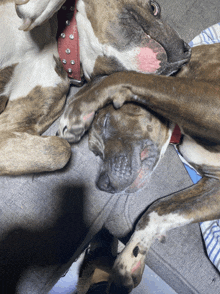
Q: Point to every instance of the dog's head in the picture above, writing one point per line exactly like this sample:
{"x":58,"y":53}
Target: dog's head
{"x":130,"y":142}
{"x":127,"y":35}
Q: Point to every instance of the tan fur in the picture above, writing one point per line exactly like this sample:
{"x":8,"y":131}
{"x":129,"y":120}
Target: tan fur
{"x":22,"y":150}
{"x":26,"y":153}
{"x":24,"y":118}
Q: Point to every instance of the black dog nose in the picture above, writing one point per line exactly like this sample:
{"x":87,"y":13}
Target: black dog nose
{"x":104,"y":183}
{"x":186,"y":48}
{"x":178,"y":51}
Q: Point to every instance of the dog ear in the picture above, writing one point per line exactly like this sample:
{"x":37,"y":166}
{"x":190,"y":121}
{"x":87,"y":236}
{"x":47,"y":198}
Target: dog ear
{"x":96,"y":144}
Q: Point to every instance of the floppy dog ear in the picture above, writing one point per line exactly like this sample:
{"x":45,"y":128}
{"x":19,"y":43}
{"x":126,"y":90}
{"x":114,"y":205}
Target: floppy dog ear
{"x":96,"y":144}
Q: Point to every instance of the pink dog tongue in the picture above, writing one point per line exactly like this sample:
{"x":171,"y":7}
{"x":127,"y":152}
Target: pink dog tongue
{"x":150,"y":56}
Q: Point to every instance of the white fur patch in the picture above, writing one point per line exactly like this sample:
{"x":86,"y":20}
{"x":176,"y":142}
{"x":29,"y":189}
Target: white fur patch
{"x":91,"y":48}
{"x":157,"y":227}
{"x":195,"y":153}
{"x":164,"y":148}
{"x":35,"y":63}
{"x":34,"y":70}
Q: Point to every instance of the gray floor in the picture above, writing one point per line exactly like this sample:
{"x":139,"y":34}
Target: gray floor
{"x":151,"y":283}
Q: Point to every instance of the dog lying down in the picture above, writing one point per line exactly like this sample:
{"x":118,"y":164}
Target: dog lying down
{"x":33,"y":86}
{"x":190,"y":99}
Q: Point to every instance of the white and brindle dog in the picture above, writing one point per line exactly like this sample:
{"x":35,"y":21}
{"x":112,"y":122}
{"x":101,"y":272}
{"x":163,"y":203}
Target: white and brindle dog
{"x":33,"y":84}
{"x":33,"y":88}
{"x":192,"y":100}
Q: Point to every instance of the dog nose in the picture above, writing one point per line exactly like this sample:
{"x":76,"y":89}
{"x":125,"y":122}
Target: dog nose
{"x":178,"y":51}
{"x":186,"y":49}
{"x":104,"y":183}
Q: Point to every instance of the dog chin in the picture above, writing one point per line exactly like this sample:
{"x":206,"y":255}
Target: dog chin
{"x":168,"y":69}
{"x":141,"y":180}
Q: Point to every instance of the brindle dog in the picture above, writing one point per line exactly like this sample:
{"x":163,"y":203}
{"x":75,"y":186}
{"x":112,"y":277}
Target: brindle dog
{"x":190,"y":99}
{"x":33,"y":84}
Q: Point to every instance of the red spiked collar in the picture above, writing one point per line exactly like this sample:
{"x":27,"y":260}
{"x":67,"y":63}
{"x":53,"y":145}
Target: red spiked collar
{"x":68,"y":42}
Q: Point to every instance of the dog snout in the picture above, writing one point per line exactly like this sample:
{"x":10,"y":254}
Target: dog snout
{"x":186,"y":50}
{"x":182,"y":51}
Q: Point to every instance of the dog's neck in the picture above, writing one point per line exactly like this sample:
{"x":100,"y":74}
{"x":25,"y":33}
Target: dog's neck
{"x":68,"y":42}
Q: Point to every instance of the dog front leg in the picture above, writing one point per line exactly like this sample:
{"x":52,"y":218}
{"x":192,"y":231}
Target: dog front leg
{"x":193,"y":104}
{"x":22,"y":150}
{"x":24,"y":153}
{"x":195,"y":204}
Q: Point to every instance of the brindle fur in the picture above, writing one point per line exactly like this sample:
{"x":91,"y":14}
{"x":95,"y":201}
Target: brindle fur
{"x":24,"y":118}
{"x":190,"y":99}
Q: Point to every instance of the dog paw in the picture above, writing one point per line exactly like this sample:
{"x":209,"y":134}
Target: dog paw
{"x":36,"y":12}
{"x":127,"y":270}
{"x":81,"y":109}
{"x":74,"y":123}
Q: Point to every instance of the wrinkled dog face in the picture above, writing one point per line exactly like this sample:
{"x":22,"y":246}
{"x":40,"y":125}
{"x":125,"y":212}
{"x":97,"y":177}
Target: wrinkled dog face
{"x":127,"y":35}
{"x":130,"y":142}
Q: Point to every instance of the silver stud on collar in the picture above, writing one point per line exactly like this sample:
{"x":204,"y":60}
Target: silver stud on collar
{"x":64,"y":61}
{"x":63,"y":35}
{"x":67,"y":22}
{"x":69,"y":70}
{"x":67,"y":51}
{"x":72,"y":62}
{"x":71,"y":8}
{"x":71,"y":37}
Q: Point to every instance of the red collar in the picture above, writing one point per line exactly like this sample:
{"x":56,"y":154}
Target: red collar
{"x":68,"y":41}
{"x":176,"y":135}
